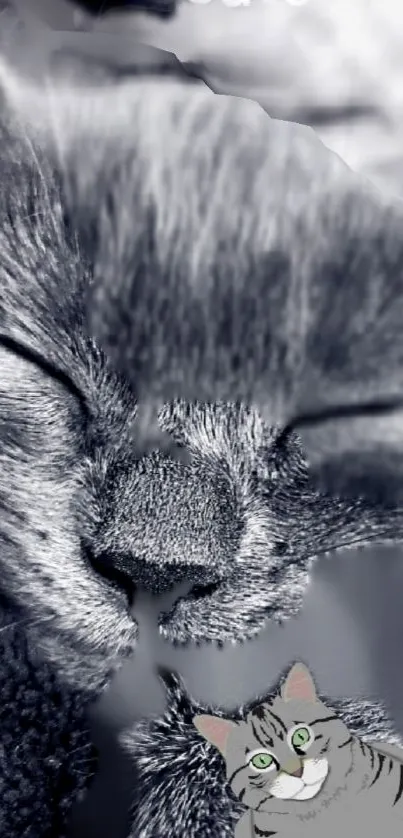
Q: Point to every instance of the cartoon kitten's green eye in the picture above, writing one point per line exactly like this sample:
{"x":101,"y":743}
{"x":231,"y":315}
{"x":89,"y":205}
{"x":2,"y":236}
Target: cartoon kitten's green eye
{"x":301,"y":737}
{"x":261,"y":761}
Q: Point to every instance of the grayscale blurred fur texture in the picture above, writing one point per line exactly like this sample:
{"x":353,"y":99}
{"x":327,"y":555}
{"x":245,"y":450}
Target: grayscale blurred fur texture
{"x":160,"y":242}
{"x":47,"y":756}
{"x":164,"y":246}
{"x":182,"y":788}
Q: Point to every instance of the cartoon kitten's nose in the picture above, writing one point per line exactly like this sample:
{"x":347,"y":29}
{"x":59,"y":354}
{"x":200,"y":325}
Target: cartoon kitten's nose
{"x":295,"y":770}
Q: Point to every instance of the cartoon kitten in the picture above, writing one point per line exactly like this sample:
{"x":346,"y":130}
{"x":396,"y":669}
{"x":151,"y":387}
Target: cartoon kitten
{"x":300,"y":771}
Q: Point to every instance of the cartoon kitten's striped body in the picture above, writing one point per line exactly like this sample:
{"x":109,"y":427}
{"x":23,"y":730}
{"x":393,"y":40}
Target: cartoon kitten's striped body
{"x":296,"y":767}
{"x":371,"y":798}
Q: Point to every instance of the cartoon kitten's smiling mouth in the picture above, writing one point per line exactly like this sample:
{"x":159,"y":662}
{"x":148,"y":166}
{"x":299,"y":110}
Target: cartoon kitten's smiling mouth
{"x":308,"y":791}
{"x":288,"y":787}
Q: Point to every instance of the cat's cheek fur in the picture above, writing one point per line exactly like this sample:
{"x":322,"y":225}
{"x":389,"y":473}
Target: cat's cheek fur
{"x":315,"y":771}
{"x":286,"y":787}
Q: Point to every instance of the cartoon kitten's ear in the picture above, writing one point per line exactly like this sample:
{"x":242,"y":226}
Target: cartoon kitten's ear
{"x":299,"y":685}
{"x":215,"y":730}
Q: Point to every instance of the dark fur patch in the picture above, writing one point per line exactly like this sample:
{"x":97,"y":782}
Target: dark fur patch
{"x":47,"y":759}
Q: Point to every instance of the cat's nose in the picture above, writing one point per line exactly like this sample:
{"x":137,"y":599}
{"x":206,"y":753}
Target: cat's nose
{"x":295,"y":769}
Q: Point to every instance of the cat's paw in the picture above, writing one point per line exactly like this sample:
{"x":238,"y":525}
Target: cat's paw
{"x":236,"y":609}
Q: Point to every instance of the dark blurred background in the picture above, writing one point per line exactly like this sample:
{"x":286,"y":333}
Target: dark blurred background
{"x":337,"y":66}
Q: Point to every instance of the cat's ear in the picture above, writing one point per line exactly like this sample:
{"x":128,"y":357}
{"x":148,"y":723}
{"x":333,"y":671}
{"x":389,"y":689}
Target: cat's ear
{"x":299,"y":685}
{"x":215,"y":730}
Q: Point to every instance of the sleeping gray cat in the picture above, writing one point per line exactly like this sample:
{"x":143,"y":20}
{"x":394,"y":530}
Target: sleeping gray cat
{"x":155,"y":245}
{"x":294,"y":763}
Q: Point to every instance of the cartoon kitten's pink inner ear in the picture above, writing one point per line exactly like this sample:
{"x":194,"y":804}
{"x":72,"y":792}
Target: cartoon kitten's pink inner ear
{"x":299,"y":685}
{"x":215,"y":730}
